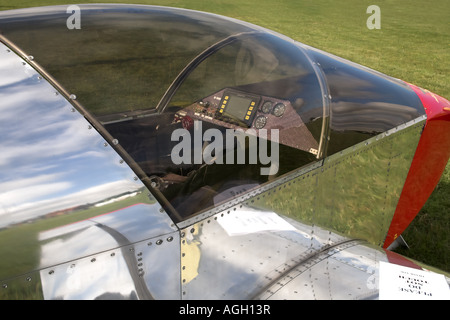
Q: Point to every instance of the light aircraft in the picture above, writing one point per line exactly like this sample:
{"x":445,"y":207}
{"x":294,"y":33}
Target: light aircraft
{"x":161,"y":153}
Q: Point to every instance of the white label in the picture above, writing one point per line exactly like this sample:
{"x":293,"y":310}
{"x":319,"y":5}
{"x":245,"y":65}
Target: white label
{"x":249,"y":221}
{"x":402,"y":283}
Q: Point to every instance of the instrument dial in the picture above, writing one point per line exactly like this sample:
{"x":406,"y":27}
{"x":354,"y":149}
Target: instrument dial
{"x":260,"y":122}
{"x":266,"y":107}
{"x":278,"y":110}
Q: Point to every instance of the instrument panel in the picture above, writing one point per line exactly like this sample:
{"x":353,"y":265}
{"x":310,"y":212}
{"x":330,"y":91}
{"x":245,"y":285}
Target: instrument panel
{"x":235,"y":109}
{"x":232,"y":108}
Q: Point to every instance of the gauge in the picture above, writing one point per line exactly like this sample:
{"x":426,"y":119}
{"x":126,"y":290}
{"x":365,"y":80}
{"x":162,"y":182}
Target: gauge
{"x":266,"y":107}
{"x":260,"y":122}
{"x":278,"y":110}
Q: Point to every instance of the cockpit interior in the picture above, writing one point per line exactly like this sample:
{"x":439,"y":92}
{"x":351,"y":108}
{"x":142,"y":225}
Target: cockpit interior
{"x":245,"y":87}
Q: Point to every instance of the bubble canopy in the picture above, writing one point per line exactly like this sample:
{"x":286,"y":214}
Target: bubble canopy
{"x":174,"y":84}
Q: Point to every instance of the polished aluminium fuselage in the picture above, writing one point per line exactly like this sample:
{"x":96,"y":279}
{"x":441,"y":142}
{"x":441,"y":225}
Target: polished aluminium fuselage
{"x":78,"y":222}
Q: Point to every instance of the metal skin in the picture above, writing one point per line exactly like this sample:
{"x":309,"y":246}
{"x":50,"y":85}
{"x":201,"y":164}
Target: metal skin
{"x":304,"y":260}
{"x":81,"y":217}
{"x":54,"y":163}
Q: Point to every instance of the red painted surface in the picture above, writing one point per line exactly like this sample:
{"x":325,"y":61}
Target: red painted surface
{"x":395,"y":258}
{"x":430,"y":159}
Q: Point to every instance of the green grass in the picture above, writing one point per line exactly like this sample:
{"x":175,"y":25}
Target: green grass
{"x":413,"y":44}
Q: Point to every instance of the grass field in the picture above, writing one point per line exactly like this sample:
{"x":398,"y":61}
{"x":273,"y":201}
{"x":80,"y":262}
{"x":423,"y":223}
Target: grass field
{"x":413,"y":44}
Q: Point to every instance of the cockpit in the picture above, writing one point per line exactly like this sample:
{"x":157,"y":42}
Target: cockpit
{"x":244,"y":110}
{"x":204,"y":106}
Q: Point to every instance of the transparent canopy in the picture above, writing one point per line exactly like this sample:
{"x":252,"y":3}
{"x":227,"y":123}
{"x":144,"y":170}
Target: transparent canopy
{"x":208,"y":107}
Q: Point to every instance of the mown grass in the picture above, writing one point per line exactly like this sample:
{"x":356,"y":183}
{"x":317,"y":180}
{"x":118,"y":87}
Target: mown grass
{"x":412,"y":44}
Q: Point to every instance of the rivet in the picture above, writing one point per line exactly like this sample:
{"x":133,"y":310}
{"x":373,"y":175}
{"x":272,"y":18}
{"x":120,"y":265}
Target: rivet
{"x":169,"y":239}
{"x":115,"y":141}
{"x":159,"y":242}
{"x":192,"y":230}
{"x":30,"y":58}
{"x":105,"y":144}
{"x":93,"y":260}
{"x":72,"y":96}
{"x":4,"y":286}
{"x":28,"y":279}
{"x":51,"y":272}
